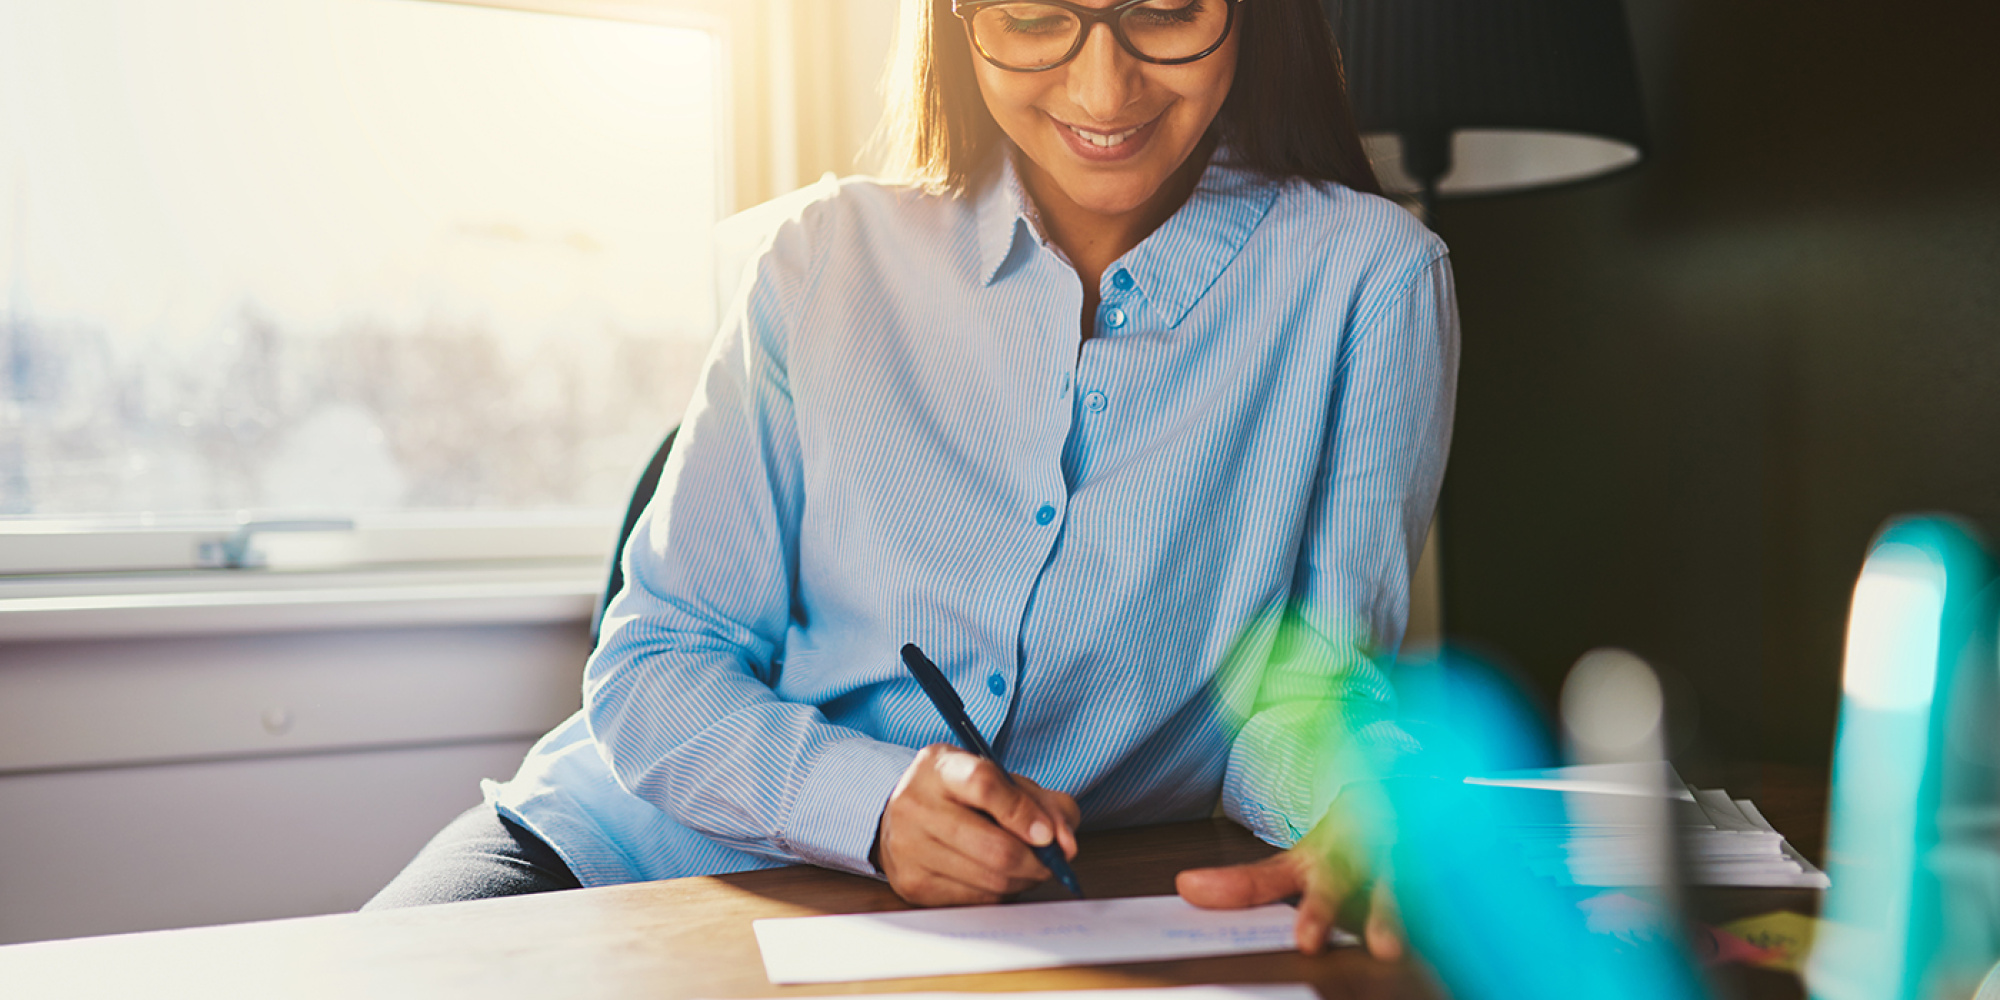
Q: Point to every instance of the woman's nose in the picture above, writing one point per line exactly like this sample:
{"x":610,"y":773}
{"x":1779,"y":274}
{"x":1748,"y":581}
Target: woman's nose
{"x":1103,"y":78}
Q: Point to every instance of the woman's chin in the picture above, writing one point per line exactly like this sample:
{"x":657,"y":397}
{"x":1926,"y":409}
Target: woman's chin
{"x":1112,"y":201}
{"x":1112,"y":190}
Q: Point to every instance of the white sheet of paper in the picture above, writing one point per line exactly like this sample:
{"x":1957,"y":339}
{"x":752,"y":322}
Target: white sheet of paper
{"x":1637,"y":778}
{"x":1244,"y":991}
{"x":944,"y":942}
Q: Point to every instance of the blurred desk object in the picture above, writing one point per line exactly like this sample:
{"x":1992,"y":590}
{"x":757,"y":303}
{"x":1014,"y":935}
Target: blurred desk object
{"x":1793,"y":797}
{"x":690,"y":938}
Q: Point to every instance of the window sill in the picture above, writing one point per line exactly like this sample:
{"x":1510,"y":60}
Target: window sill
{"x":235,"y":602}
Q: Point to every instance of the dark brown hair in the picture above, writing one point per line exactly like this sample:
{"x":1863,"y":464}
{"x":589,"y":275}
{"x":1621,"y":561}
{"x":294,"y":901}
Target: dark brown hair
{"x":1286,"y":115}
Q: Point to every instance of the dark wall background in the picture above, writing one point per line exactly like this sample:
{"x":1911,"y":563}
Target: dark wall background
{"x":1692,"y":393}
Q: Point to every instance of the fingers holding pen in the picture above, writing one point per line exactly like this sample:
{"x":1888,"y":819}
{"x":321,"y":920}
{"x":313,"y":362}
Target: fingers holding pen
{"x":1060,"y":807}
{"x":983,"y":787}
{"x":967,"y":864}
{"x":1032,"y":814}
{"x":956,"y":831}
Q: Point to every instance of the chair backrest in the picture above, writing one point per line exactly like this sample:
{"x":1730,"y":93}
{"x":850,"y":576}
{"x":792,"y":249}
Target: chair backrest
{"x":642,"y":494}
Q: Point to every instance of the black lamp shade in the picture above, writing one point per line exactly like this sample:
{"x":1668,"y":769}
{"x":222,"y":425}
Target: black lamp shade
{"x":1485,"y":96}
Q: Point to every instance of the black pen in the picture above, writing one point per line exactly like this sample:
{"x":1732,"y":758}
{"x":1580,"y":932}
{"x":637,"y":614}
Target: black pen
{"x":940,"y":692}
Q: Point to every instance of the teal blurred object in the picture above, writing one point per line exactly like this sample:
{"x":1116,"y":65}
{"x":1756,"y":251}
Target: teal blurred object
{"x":1489,"y":927}
{"x":1920,"y":627}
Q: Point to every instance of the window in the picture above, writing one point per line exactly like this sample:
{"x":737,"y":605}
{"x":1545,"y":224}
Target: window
{"x":429,"y":278}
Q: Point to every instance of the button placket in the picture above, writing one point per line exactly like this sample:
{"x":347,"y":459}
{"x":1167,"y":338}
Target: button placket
{"x":1112,"y":315}
{"x":1115,"y":312}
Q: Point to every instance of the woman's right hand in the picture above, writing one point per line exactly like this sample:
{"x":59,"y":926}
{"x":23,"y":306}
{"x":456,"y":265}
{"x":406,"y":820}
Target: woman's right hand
{"x":956,"y":831}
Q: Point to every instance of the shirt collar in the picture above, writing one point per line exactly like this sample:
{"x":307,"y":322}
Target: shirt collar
{"x":1005,"y":214}
{"x":1174,"y":265}
{"x":1178,"y":263}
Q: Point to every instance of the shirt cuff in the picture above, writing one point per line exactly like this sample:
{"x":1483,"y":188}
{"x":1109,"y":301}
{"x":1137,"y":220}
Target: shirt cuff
{"x":1281,"y":778}
{"x":840,"y":803}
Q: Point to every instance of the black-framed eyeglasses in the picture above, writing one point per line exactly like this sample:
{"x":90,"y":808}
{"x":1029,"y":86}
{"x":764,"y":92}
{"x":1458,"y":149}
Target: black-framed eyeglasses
{"x":1029,"y":36}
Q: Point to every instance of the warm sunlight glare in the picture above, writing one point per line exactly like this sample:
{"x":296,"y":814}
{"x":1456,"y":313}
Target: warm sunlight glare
{"x":192,"y":189}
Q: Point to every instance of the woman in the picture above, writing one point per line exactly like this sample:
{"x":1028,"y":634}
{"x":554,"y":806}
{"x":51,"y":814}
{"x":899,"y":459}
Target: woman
{"x":1130,"y":409}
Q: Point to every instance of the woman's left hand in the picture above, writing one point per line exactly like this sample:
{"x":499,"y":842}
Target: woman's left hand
{"x":1323,"y":870}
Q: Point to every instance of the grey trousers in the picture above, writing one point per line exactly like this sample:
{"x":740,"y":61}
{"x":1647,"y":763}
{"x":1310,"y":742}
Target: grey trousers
{"x":480,"y":854}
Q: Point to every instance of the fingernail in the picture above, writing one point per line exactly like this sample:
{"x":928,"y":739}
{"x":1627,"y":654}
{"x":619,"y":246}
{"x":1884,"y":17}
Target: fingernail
{"x":1039,"y":833}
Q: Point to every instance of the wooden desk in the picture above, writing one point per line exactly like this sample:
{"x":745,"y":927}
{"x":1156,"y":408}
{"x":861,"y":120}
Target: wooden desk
{"x":673,"y":940}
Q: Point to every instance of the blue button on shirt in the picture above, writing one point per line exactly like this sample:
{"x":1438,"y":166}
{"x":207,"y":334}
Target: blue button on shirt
{"x":876,"y":414}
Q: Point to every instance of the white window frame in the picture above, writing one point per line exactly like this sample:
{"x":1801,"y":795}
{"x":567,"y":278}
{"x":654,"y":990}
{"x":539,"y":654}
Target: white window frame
{"x":142,"y":574}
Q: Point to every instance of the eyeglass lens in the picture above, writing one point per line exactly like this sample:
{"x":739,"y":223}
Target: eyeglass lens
{"x":1036,"y":35}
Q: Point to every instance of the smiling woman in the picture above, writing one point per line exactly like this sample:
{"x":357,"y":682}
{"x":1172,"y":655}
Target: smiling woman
{"x":1287,"y":113}
{"x":1108,"y":149}
{"x":1128,"y":404}
{"x":1111,"y":119}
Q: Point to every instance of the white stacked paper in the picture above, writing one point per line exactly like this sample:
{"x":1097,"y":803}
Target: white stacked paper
{"x":1589,"y":840}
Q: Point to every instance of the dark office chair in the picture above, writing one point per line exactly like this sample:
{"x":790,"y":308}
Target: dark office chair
{"x":642,"y":494}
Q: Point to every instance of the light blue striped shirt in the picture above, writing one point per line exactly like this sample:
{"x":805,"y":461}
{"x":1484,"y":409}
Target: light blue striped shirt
{"x":902,"y":437}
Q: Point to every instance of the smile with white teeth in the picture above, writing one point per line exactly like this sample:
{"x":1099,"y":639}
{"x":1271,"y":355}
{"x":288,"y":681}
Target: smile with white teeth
{"x":1102,"y":140}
